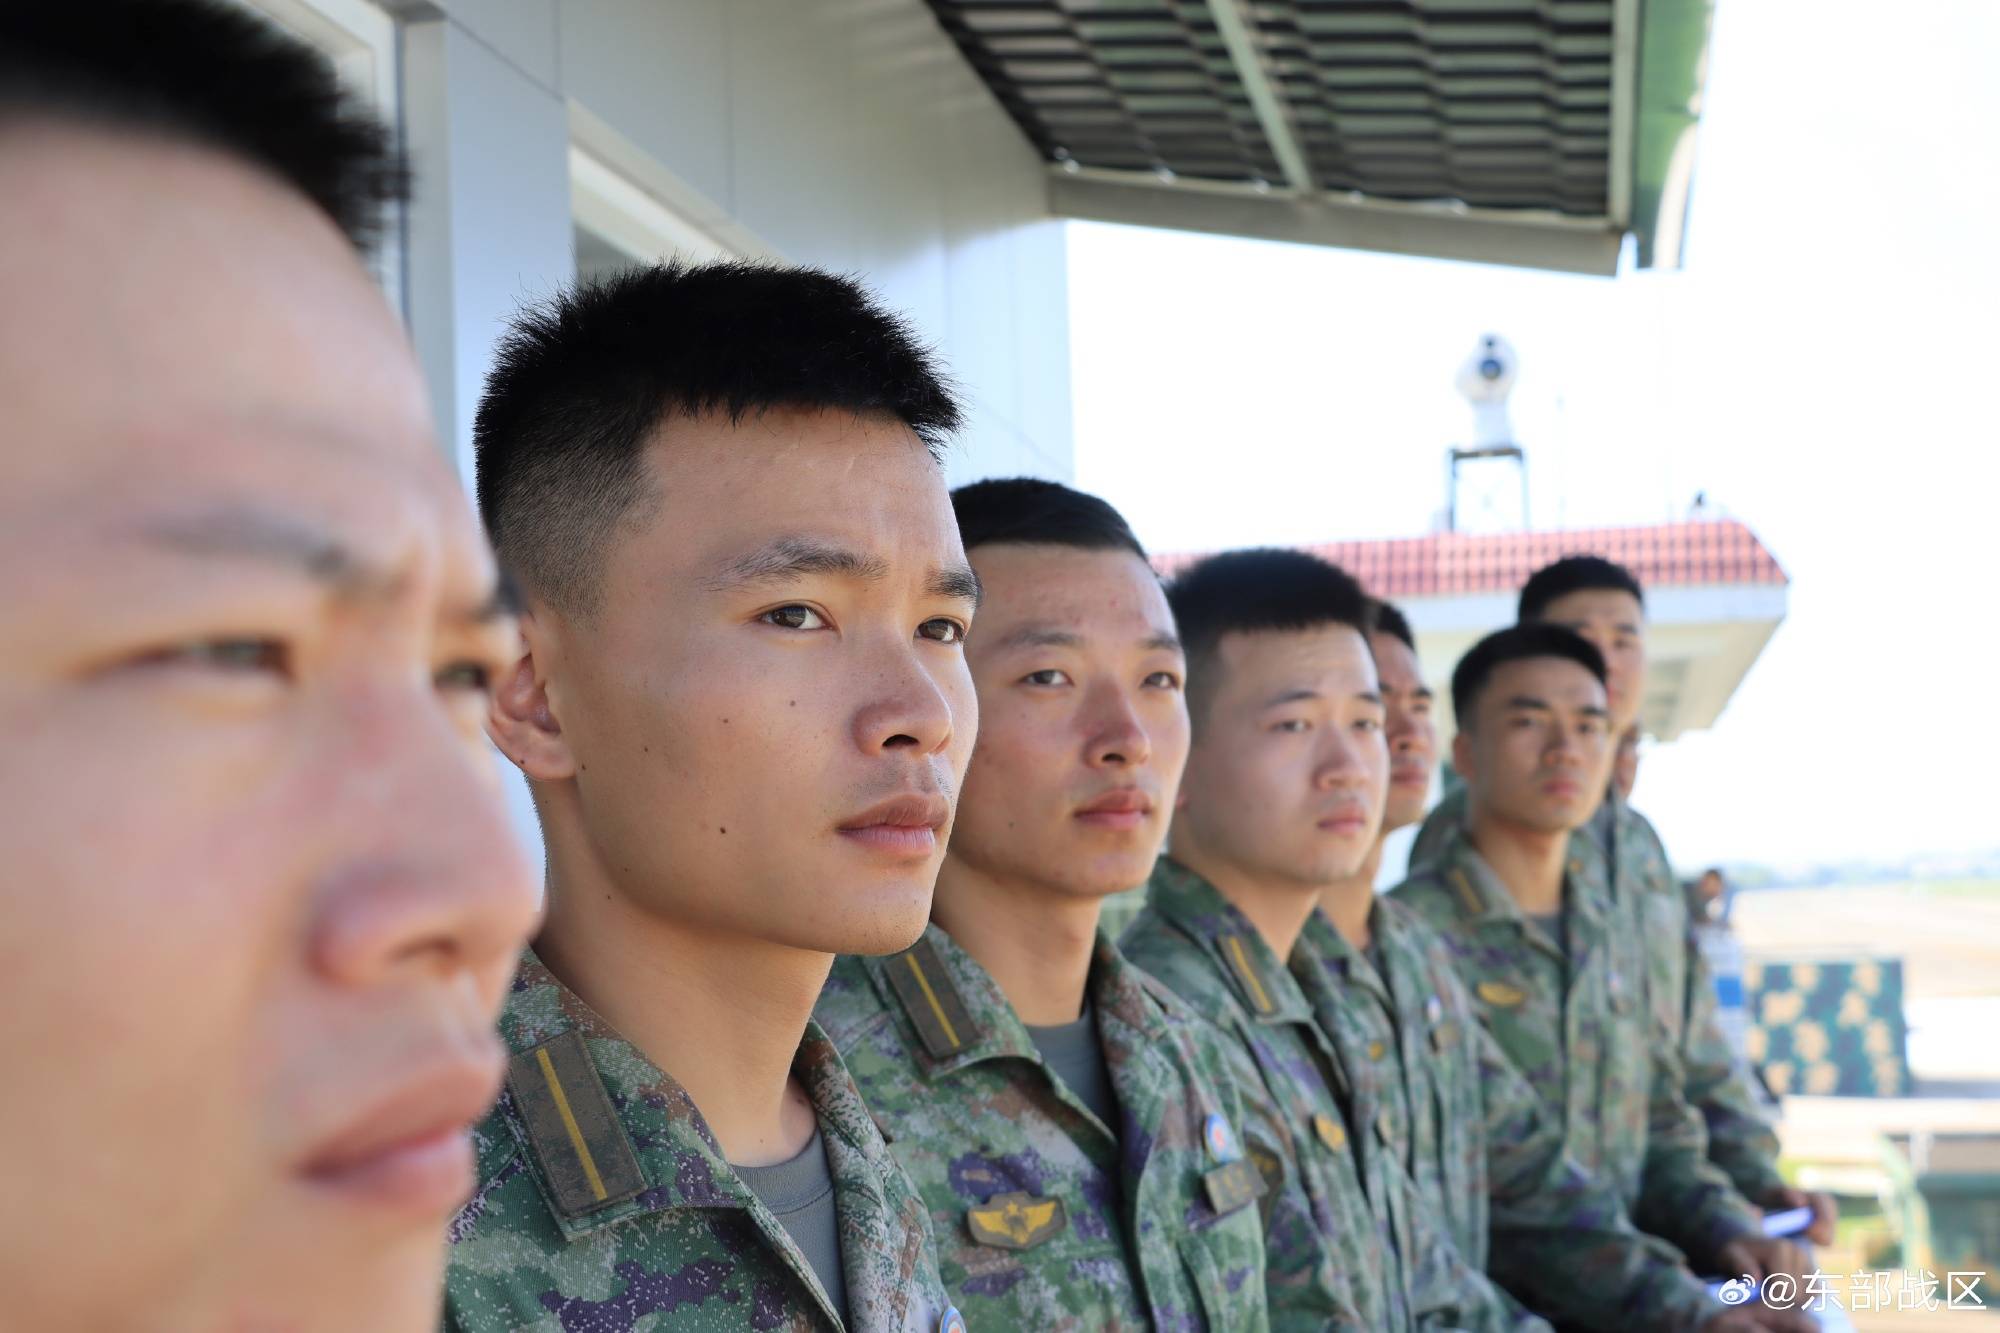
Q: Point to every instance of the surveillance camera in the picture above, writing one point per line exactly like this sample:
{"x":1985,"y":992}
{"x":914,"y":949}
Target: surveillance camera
{"x":1487,"y":376}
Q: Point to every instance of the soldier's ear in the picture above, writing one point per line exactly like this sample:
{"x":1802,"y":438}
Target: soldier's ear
{"x":522,"y":717}
{"x":1461,"y":754}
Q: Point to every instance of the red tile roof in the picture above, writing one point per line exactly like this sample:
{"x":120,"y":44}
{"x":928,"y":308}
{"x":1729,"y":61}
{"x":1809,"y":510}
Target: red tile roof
{"x":1704,"y":551}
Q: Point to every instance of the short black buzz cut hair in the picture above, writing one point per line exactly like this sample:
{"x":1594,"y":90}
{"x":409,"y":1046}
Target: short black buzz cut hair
{"x":1516,"y":643}
{"x":1028,"y":511}
{"x":1574,"y":573}
{"x":581,"y":383}
{"x":1393,"y":623}
{"x":1254,"y":590}
{"x":211,"y":75}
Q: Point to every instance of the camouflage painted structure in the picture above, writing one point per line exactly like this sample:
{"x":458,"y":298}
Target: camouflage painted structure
{"x":603,"y":1199}
{"x":1046,"y":1217}
{"x":1829,"y":1029}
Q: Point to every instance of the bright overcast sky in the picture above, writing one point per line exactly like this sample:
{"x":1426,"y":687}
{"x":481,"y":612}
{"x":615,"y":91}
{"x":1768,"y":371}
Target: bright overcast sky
{"x":1826,"y":368}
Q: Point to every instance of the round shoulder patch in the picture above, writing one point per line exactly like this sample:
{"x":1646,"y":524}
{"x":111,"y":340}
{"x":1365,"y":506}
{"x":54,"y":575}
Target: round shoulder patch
{"x":1221,"y":1139}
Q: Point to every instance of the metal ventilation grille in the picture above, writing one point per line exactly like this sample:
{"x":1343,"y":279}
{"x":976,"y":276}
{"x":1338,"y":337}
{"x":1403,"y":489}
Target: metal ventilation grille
{"x":1503,"y":104}
{"x":1498,"y":103}
{"x":1132,"y":85}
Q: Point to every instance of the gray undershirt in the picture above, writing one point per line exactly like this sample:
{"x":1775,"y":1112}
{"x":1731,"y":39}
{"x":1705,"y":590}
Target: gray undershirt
{"x":799,"y":1194}
{"x":1074,"y":1055}
{"x":1551,"y":925}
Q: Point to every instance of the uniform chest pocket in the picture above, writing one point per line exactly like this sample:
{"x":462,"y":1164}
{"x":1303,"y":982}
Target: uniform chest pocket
{"x":1457,"y":1153}
{"x":1224,"y":1262}
{"x":1664,"y":963}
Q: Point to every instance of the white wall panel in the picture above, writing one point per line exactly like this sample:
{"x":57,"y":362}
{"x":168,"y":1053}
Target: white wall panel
{"x":849,"y":133}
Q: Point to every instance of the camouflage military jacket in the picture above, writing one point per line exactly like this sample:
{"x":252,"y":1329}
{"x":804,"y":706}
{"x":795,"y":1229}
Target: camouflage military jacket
{"x":1046,"y":1217}
{"x":604,"y":1205}
{"x":1400,"y":1266}
{"x":1484,"y":1155}
{"x":1680,"y":988}
{"x":1741,"y":1139}
{"x":1575,"y":1021}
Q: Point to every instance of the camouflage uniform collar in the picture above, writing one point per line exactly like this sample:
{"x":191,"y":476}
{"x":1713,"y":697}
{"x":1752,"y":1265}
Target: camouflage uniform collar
{"x":1192,"y":905}
{"x":1322,"y":945}
{"x":1484,"y":899}
{"x":641,"y":1143}
{"x":963,"y":1018}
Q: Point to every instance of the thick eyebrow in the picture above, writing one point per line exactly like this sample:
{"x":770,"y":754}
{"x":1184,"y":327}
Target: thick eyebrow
{"x":267,"y":537}
{"x":1530,"y":701}
{"x":1423,"y":692}
{"x":956,"y":583}
{"x":1592,"y":710}
{"x":1037,"y":636}
{"x":1293,"y":697}
{"x":789,"y":559}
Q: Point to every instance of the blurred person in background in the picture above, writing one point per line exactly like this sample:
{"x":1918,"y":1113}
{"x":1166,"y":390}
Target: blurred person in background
{"x":1625,"y":763}
{"x":264,"y":900}
{"x":1284,"y":792}
{"x":1602,"y":601}
{"x":1556,"y":969}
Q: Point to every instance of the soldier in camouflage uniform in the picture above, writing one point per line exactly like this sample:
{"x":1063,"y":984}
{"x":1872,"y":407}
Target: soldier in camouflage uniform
{"x":742,"y":710}
{"x":1563,"y":991}
{"x":1087,"y":1156}
{"x":1604,"y":603}
{"x":605,"y":1198}
{"x":1284,"y":789}
{"x":1406,"y":1274}
{"x":1048,"y":1217}
{"x":1482,"y":1152}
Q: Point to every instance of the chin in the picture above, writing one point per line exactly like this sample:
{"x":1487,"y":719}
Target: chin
{"x":397,"y":1292}
{"x":1402,"y":815}
{"x":883,"y":924}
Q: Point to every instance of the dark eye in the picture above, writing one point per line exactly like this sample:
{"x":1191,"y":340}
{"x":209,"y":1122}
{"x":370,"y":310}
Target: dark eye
{"x":942,"y":629}
{"x":234,"y":656}
{"x":1294,"y":725}
{"x":1047,"y":676}
{"x":1163,"y":680}
{"x":794,"y":617}
{"x":1368,"y":724}
{"x":473,"y":677}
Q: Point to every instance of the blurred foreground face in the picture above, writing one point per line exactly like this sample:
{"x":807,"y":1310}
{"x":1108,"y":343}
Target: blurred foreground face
{"x":1411,"y":733}
{"x":768,"y":716}
{"x":1289,"y":770}
{"x":1538,"y":753}
{"x":1083,"y":726}
{"x":1615,"y":623}
{"x":262,"y":901}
